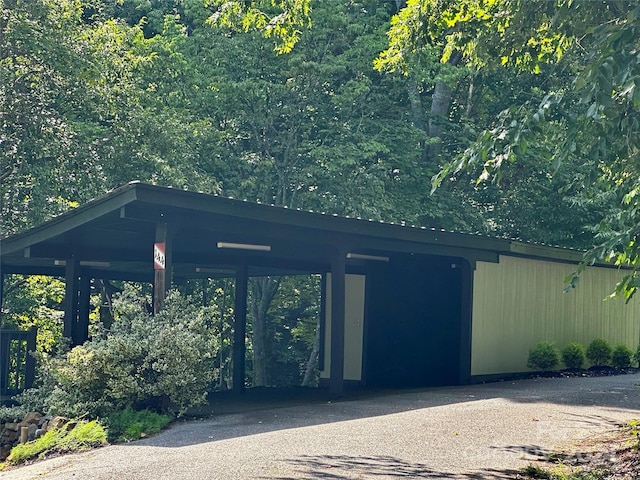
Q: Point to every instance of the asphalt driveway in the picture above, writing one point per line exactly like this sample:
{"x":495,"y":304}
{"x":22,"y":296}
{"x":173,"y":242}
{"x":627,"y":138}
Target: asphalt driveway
{"x":472,"y":432}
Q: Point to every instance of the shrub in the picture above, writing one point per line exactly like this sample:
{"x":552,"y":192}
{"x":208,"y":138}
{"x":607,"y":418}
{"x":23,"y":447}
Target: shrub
{"x":129,"y":424}
{"x":166,"y":359}
{"x":599,"y":352}
{"x":573,"y":355}
{"x":621,"y":356}
{"x":636,"y":356}
{"x":544,"y":356}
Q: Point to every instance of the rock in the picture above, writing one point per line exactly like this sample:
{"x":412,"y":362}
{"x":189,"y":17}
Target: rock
{"x":39,"y":432}
{"x":57,"y":422}
{"x":70,"y":425}
{"x":43,"y":421}
{"x":5,"y":450}
{"x":31,"y":418}
{"x":8,"y":436}
{"x":11,"y":426}
{"x":31,"y":428}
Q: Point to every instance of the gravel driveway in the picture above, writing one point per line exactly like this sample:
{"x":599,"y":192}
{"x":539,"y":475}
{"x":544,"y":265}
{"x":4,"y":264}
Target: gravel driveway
{"x":470,"y":432}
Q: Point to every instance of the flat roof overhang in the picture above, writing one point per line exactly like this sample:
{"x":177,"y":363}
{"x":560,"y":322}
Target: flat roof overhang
{"x":113,"y":236}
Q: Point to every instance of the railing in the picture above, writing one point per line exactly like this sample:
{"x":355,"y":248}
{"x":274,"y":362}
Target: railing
{"x":17,"y":365}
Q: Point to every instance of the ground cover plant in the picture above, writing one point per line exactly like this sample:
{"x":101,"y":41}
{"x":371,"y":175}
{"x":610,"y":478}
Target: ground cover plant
{"x":83,"y":435}
{"x":129,"y":424}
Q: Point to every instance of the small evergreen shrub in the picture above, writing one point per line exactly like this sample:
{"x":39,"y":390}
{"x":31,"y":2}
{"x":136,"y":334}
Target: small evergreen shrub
{"x":636,"y":356}
{"x":599,"y":352}
{"x":621,"y":356}
{"x":573,"y":355}
{"x":544,"y":356}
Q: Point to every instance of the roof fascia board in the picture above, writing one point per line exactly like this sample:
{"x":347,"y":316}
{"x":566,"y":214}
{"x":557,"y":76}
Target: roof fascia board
{"x":545,"y":252}
{"x":76,"y":217}
{"x":312,"y":220}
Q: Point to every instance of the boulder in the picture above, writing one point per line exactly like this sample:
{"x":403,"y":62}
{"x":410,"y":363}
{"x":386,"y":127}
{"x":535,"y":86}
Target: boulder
{"x":57,"y":422}
{"x":31,"y":418}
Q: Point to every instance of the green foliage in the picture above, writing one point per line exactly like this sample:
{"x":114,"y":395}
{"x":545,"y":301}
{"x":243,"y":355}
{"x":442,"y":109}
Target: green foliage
{"x":573,"y":355}
{"x":278,"y":19}
{"x":636,"y":356}
{"x":599,"y":352}
{"x":129,"y":424}
{"x":34,"y":301}
{"x":84,"y":436}
{"x":621,"y":356}
{"x":165,"y":360}
{"x":544,"y":356}
{"x":12,"y":414}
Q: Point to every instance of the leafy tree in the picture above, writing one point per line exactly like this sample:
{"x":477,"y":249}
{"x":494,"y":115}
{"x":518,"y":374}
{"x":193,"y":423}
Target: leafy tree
{"x":589,"y":122}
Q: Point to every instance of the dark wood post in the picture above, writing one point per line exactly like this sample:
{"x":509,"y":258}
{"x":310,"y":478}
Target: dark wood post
{"x":30,"y":367}
{"x":162,"y":265}
{"x":71,"y":299}
{"x":338,"y":301}
{"x":240,"y":327}
{"x":466,"y":297}
{"x":81,"y":333}
{"x":1,"y":294}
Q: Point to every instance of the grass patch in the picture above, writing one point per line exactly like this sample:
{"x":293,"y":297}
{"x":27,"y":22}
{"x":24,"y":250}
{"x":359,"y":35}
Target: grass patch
{"x":562,"y":473}
{"x":129,"y":424}
{"x":84,"y":436}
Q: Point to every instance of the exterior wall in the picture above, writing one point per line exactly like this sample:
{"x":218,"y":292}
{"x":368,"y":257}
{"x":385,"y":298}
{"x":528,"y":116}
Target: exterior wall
{"x":353,"y":327}
{"x":519,"y":302}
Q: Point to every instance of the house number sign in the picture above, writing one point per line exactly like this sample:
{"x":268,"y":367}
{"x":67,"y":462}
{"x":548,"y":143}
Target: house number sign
{"x":158,"y":256}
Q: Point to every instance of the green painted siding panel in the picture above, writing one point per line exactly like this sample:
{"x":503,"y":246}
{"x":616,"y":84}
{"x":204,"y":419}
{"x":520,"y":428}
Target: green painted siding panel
{"x":519,"y":302}
{"x":353,"y":327}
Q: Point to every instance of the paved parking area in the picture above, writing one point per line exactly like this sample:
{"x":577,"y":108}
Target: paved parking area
{"x":471,"y":432}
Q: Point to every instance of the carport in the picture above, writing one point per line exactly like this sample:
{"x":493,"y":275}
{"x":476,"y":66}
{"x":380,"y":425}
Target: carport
{"x":414,"y":285}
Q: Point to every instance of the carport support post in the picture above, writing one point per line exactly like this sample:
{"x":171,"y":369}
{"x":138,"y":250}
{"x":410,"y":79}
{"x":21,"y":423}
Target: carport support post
{"x":81,"y":328}
{"x":240,"y":327}
{"x":464,"y":376}
{"x":338,"y":301}
{"x":71,"y":280}
{"x":1,"y":293}
{"x":162,"y":267}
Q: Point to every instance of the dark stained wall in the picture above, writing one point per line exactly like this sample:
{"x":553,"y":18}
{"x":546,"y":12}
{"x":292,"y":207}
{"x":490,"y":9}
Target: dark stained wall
{"x":413,"y":322}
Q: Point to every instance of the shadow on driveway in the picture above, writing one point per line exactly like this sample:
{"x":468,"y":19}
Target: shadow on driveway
{"x":233,"y":418}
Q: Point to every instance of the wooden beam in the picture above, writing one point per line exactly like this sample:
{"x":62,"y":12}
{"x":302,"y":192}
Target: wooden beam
{"x":338,"y":302}
{"x":240,"y":327}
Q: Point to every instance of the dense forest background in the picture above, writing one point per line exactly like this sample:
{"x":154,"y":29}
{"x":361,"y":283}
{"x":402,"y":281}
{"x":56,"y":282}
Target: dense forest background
{"x":524,"y":112}
{"x":96,"y":93}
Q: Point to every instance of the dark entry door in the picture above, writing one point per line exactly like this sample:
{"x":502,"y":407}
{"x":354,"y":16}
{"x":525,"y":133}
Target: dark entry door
{"x":414,"y":322}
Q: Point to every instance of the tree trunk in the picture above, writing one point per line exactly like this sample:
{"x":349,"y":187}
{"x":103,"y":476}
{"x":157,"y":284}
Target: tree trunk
{"x":312,"y":362}
{"x":440,"y":103}
{"x":263,"y":289}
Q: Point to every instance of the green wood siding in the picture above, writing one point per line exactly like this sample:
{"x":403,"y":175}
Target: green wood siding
{"x":519,"y":302}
